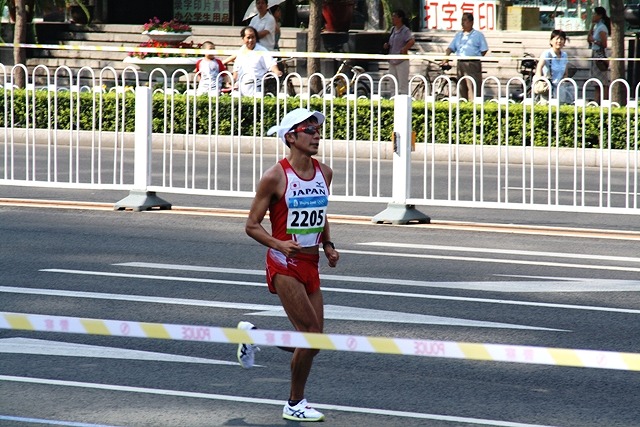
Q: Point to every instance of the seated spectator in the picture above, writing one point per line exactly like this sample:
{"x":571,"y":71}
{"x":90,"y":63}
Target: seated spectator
{"x":252,"y":63}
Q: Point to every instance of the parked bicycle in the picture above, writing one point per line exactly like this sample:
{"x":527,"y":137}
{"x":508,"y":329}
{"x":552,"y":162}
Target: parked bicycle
{"x":338,"y":86}
{"x":270,"y":84}
{"x":527,"y":67}
{"x":441,"y":84}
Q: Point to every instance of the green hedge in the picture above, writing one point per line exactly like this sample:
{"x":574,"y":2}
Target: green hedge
{"x":511,"y":118}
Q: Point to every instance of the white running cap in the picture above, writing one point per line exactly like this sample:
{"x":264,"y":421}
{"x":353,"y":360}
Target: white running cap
{"x":292,"y":118}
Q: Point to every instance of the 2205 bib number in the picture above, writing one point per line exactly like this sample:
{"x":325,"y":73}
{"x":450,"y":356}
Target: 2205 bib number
{"x":314,"y":218}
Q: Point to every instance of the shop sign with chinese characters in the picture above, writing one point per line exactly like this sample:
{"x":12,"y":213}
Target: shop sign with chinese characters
{"x":447,"y":14}
{"x":202,"y":11}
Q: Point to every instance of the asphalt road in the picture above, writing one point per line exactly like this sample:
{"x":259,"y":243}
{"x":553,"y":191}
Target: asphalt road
{"x":562,"y":287}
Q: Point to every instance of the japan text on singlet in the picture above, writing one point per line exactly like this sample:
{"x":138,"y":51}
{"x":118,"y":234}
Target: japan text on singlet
{"x":302,"y":212}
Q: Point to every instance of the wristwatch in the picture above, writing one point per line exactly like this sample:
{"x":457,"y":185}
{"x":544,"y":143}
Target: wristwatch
{"x":328,"y":242}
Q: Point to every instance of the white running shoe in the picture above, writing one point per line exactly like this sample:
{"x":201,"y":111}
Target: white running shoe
{"x":301,"y":412}
{"x":246,"y":352}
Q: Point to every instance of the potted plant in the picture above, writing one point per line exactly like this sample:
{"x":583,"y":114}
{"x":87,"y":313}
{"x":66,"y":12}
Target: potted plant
{"x":166,"y":32}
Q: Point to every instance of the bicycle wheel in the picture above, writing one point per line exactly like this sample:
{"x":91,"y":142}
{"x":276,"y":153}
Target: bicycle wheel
{"x":418,"y":92}
{"x":363,"y":91}
{"x":291,"y":90}
{"x":270,"y":86}
{"x":441,"y":90}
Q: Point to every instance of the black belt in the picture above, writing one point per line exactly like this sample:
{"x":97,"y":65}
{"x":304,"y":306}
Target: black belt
{"x":468,"y":60}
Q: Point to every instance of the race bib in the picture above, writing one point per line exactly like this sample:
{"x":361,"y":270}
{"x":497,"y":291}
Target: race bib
{"x":307,"y":214}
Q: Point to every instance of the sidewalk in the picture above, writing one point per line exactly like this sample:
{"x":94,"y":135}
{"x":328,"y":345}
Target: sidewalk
{"x":436,"y":213}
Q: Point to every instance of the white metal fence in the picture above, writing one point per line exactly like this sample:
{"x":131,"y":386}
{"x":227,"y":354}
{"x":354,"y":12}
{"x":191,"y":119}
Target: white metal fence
{"x":77,"y":131}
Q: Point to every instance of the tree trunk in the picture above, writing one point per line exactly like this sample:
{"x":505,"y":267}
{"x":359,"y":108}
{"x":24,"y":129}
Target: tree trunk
{"x":20,"y":37}
{"x":617,"y":51}
{"x":313,"y":43}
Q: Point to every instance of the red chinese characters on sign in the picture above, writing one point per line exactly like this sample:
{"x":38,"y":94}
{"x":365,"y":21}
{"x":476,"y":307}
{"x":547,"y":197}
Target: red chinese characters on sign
{"x":447,"y":14}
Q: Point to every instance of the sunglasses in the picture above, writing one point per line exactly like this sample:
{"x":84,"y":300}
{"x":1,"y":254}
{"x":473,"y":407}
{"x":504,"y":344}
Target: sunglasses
{"x":308,"y":129}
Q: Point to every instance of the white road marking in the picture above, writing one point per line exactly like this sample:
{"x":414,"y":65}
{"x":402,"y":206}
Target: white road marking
{"x":57,"y":348}
{"x":48,"y":422}
{"x":368,"y":292}
{"x":272,"y":402}
{"x":495,"y":261}
{"x":554,"y":285}
{"x":331,"y":312}
{"x":337,"y":312}
{"x":499,"y":251}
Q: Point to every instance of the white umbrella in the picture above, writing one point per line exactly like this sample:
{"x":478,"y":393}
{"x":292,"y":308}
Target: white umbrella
{"x":252,"y":11}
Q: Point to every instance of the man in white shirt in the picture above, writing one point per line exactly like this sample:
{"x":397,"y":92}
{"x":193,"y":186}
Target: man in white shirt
{"x":265,"y":24}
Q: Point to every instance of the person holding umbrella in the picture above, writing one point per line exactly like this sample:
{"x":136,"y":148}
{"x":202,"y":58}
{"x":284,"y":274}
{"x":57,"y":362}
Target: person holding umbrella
{"x":265,"y":24}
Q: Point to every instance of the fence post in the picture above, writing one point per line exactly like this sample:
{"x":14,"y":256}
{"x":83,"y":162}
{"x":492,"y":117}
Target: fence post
{"x":139,"y":199}
{"x":398,"y":211}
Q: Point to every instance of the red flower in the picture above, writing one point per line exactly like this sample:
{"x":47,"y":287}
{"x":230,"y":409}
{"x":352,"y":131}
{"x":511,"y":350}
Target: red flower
{"x":172,"y":26}
{"x":156,"y":44}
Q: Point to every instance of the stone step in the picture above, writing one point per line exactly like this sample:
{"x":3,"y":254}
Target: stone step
{"x":506,"y":48}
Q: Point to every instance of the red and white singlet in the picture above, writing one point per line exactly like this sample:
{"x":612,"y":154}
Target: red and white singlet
{"x":300,"y":215}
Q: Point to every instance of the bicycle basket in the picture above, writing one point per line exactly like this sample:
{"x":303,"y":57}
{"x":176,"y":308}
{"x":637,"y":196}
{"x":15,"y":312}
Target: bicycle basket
{"x":528,"y":65}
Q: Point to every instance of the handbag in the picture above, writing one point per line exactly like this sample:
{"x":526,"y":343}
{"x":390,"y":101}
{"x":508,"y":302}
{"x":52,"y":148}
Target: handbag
{"x":602,"y":64}
{"x":541,"y":87}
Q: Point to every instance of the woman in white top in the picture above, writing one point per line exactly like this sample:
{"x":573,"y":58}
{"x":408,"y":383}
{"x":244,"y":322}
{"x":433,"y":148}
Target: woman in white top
{"x":597,"y":38}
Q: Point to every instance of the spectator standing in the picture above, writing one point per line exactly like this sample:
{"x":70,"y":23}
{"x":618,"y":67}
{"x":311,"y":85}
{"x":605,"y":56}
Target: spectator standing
{"x":251,"y":63}
{"x":597,"y":38}
{"x":265,"y":25}
{"x":277,"y":15}
{"x":209,"y":68}
{"x":400,"y":41}
{"x":467,"y":43}
{"x":553,"y":64}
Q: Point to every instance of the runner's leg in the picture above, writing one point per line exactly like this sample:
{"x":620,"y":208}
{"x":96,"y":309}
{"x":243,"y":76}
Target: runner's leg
{"x":306,"y":315}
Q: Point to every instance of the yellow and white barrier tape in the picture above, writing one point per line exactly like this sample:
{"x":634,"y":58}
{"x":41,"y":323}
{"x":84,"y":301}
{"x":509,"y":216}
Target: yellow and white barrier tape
{"x":353,"y":343}
{"x":282,"y":54}
{"x":218,"y":52}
